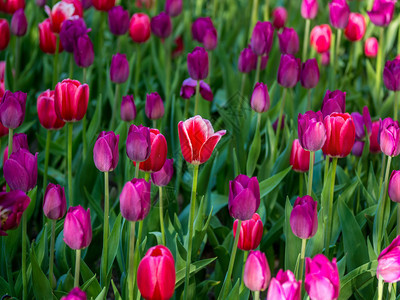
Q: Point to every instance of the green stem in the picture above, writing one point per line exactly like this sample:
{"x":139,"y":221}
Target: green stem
{"x":266,"y":13}
{"x":137,"y":170}
{"x":71,"y":66}
{"x":51,"y":262}
{"x":77,"y":267}
{"x":137,"y":69}
{"x":380,"y":288}
{"x":115,"y":106}
{"x":69,"y":161}
{"x":382,"y":172}
{"x":131,"y":271}
{"x":196,"y":103}
{"x":246,"y":254}
{"x":147,"y":176}
{"x":137,"y":250}
{"x":310,"y":173}
{"x":339,"y":35}
{"x":330,"y":208}
{"x":191,"y":221}
{"x":396,"y":103}
{"x":278,"y":129}
{"x":309,"y":100}
{"x":379,"y":64}
{"x":106,"y":228}
{"x":301,"y":184}
{"x":161,"y":215}
{"x":10,"y":149}
{"x":46,"y":159}
{"x":302,"y":255}
{"x":253,"y":16}
{"x":155,"y":124}
{"x":256,"y":295}
{"x":17,"y":61}
{"x":84,"y":73}
{"x":215,"y":8}
{"x":185,"y":113}
{"x":24,"y":275}
{"x":384,"y":202}
{"x":305,"y":41}
{"x":258,"y":69}
{"x":55,"y":62}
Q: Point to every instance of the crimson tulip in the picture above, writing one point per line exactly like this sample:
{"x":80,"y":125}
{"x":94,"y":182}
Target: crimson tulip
{"x":299,"y":158}
{"x":46,"y":111}
{"x":251,"y":232}
{"x":12,"y":206}
{"x":158,"y":153}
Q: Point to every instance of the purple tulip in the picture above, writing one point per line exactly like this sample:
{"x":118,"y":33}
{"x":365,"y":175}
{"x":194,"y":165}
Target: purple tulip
{"x":77,"y":228}
{"x":389,"y":137}
{"x":71,"y":30}
{"x":262,"y":38}
{"x":259,"y":101}
{"x":256,"y":275}
{"x":311,"y":130}
{"x":75,"y":294}
{"x":382,"y":12}
{"x":154,"y":108}
{"x":309,"y":75}
{"x":358,"y":120}
{"x":54,"y":202}
{"x":173,"y":7}
{"x":244,"y":197}
{"x":325,"y":58}
{"x":304,"y":217}
{"x":138,"y":144}
{"x":119,"y":69}
{"x":20,"y":170}
{"x":358,"y":148}
{"x":339,"y":13}
{"x":288,"y":41}
{"x":20,"y":140}
{"x":204,"y":32}
{"x":83,"y":51}
{"x":19,"y":24}
{"x":389,"y":262}
{"x":105,"y":151}
{"x":275,"y":124}
{"x":309,"y":9}
{"x":197,"y":63}
{"x":284,"y":287}
{"x":161,"y":25}
{"x":12,"y":109}
{"x":163,"y":177}
{"x":135,"y":200}
{"x":333,"y":102}
{"x":391,"y":75}
{"x":188,"y":89}
{"x":128,"y":108}
{"x":247,"y":60}
{"x":118,"y":20}
{"x":263,"y":64}
{"x":289,"y":71}
{"x":12,"y":206}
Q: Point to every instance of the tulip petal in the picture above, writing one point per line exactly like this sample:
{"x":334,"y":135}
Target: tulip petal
{"x":186,"y":145}
{"x":15,"y":175}
{"x":208,"y":147}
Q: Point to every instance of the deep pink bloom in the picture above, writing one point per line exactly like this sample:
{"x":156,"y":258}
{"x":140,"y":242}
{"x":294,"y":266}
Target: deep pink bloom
{"x":289,"y":71}
{"x":12,"y":206}
{"x":244,"y":197}
{"x":311,"y":130}
{"x":299,"y":158}
{"x":325,"y":58}
{"x":309,"y":75}
{"x":204,"y":32}
{"x":251,"y":232}
{"x":262,"y":38}
{"x":374,"y":146}
{"x":309,"y":9}
{"x":389,"y":262}
{"x":139,"y":28}
{"x":247,"y":60}
{"x":158,"y":153}
{"x":164,"y":175}
{"x":371,"y":47}
{"x":391,"y":75}
{"x":119,"y":69}
{"x":382,"y":12}
{"x":161,"y":25}
{"x":154,"y":107}
{"x":103,"y":5}
{"x":19,"y":24}
{"x":256,"y":275}
{"x":138,"y":144}
{"x":46,"y":111}
{"x":394,"y":186}
{"x":128,"y":108}
{"x":135,"y":200}
{"x":47,"y":38}
{"x":288,"y":41}
{"x":77,"y":228}
{"x":320,"y":38}
{"x":339,"y":12}
{"x":75,"y":294}
{"x":389,"y":137}
{"x":260,"y":101}
{"x":188,"y":89}
{"x":105,"y":151}
{"x":54,"y":202}
{"x":197,"y":63}
{"x":118,"y":20}
{"x":356,"y":27}
{"x":12,"y":109}
{"x":304,"y":217}
{"x":284,"y":287}
{"x":279,"y":17}
{"x":173,"y":7}
{"x":20,"y":141}
{"x":83,"y":51}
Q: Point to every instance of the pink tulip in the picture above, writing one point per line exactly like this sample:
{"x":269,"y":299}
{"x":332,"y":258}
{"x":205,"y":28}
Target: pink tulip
{"x":256,"y":274}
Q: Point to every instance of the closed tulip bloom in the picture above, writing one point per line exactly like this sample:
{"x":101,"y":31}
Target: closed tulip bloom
{"x":288,"y":41}
{"x":164,"y":176}
{"x":135,"y":200}
{"x":299,"y":158}
{"x":154,"y":108}
{"x":71,"y":30}
{"x":359,"y":124}
{"x":325,"y":58}
{"x":173,"y":7}
{"x":311,"y":130}
{"x":128,"y":108}
{"x":309,"y":9}
{"x":210,"y":40}
{"x":289,"y":71}
{"x":309,"y":75}
{"x":259,"y":101}
{"x":54,"y":202}
{"x":19,"y":24}
{"x":118,"y":20}
{"x":12,"y":109}
{"x":47,"y":38}
{"x":389,"y":137}
{"x":374,"y":146}
{"x":391,"y":75}
{"x":333,"y":102}
{"x":77,"y":5}
{"x":156,"y":274}
{"x":20,"y":170}
{"x":279,"y":17}
{"x":105,"y":151}
{"x":284,"y":287}
{"x":394,"y":186}
{"x":321,"y":278}
{"x":197,"y":139}
{"x":188,"y":89}
{"x":389,"y":262}
{"x":103,"y":5}
{"x":4,"y":34}
{"x":3,"y":130}
{"x":20,"y":141}
{"x":161,"y":25}
{"x":200,"y":27}
{"x":371,"y":47}
{"x":356,"y":27}
{"x":251,"y":232}
{"x":256,"y":275}
{"x":40,"y":3}
{"x":12,"y":206}
{"x":158,"y":153}
{"x":320,"y":38}
{"x":197,"y":63}
{"x":244,"y":197}
{"x":382,"y":12}
{"x":60,"y":12}
{"x":11,"y":6}
{"x":262,"y":38}
{"x":177,"y":47}
{"x":139,"y":28}
{"x":46,"y":111}
{"x":138,"y":145}
{"x":358,"y":148}
{"x":83,"y":51}
{"x":247,"y":60}
{"x":304,"y":217}
{"x":339,"y":12}
{"x":119,"y":69}
{"x":77,"y":228}
{"x":75,"y":294}
{"x":71,"y":100}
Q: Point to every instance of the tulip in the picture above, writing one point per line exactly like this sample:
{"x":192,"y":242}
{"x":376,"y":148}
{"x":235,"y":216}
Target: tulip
{"x":12,"y":206}
{"x":139,"y":28}
{"x":356,"y":27}
{"x":389,"y":262}
{"x":148,"y":4}
{"x":197,"y":63}
{"x":309,"y":9}
{"x":251,"y":232}
{"x":2,"y":69}
{"x":309,"y":75}
{"x":358,"y":148}
{"x":382,"y":12}
{"x":389,"y":137}
{"x":299,"y":158}
{"x":83,"y":51}
{"x":20,"y":141}
{"x":284,"y":287}
{"x":119,"y":69}
{"x":138,"y":145}
{"x":394,"y":186}
{"x":46,"y":111}
{"x":262,"y":38}
{"x":164,"y":175}
{"x":71,"y":30}
{"x":288,"y":41}
{"x":256,"y":275}
{"x":279,"y":17}
{"x":105,"y":151}
{"x":4,"y":34}
{"x":77,"y":5}
{"x":154,"y":108}
{"x":128,"y":108}
{"x":40,"y":3}
{"x":333,"y":102}
{"x":188,"y":89}
{"x":77,"y":228}
{"x":177,"y":47}
{"x":11,"y":6}
{"x":158,"y":153}
{"x":173,"y":7}
{"x":103,"y":5}
{"x":60,"y":12}
{"x":359,"y":123}
{"x":54,"y":202}
{"x":275,"y":124}
{"x":339,"y":12}
{"x":320,"y":38}
{"x":391,"y":75}
{"x":371,"y":47}
{"x":19,"y":24}
{"x":135,"y":200}
{"x":247,"y":60}
{"x":161,"y":25}
{"x":75,"y":294}
{"x":289,"y":71}
{"x":197,"y":139}
{"x":156,"y":274}
{"x":259,"y":101}
{"x":118,"y":20}
{"x":304,"y":217}
{"x":71,"y":100}
{"x":244,"y":197}
{"x":48,"y":39}
{"x":20,"y":170}
{"x":311,"y":131}
{"x":374,"y":146}
{"x":340,"y":135}
{"x":12,"y":109}
{"x":202,"y":29}
{"x":325,"y":58}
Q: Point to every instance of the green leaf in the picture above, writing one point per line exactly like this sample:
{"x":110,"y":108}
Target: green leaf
{"x":102,"y":295}
{"x":94,"y":288}
{"x":267,"y":185}
{"x":41,"y":286}
{"x":4,"y":286}
{"x":95,"y":123}
{"x":116,"y":292}
{"x":234,"y":293}
{"x":254,"y":152}
{"x":32,"y":195}
{"x":194,"y":268}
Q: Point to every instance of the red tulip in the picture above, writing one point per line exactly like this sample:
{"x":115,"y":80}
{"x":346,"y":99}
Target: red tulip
{"x":60,"y":12}
{"x":47,"y":38}
{"x":251,"y":232}
{"x":11,"y":6}
{"x":103,"y":5}
{"x":371,"y":47}
{"x":374,"y":146}
{"x":46,"y":111}
{"x":320,"y":38}
{"x":12,"y":206}
{"x":158,"y":153}
{"x":356,"y":27}
{"x":139,"y":28}
{"x":4,"y":33}
{"x":299,"y":158}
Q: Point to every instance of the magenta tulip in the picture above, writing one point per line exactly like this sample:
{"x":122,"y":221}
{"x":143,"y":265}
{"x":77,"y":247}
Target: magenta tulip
{"x":138,"y":144}
{"x":197,"y":63}
{"x":163,"y":177}
{"x":333,"y":102}
{"x":304,"y":217}
{"x":284,"y":287}
{"x":135,"y":200}
{"x":339,"y":13}
{"x":54,"y":202}
{"x":289,"y":71}
{"x":259,"y":101}
{"x":20,"y":170}
{"x":128,"y":108}
{"x":12,"y":109}
{"x":12,"y":206}
{"x":244,"y":197}
{"x":309,"y":75}
{"x":288,"y":41}
{"x":389,"y":137}
{"x":154,"y":108}
{"x":262,"y":38}
{"x":105,"y":151}
{"x":389,"y":262}
{"x":256,"y":275}
{"x":309,"y":9}
{"x":311,"y":131}
{"x":77,"y":228}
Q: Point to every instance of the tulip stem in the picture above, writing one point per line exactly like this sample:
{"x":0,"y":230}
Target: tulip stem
{"x":278,"y":129}
{"x":266,"y":12}
{"x":185,"y":113}
{"x":302,"y":255}
{"x":115,"y":106}
{"x":24,"y":277}
{"x":69,"y":161}
{"x":46,"y":159}
{"x":246,"y":254}
{"x":309,"y":100}
{"x":256,"y":295}
{"x":71,"y":66}
{"x":137,"y":170}
{"x":382,"y":172}
{"x":382,"y":208}
{"x":258,"y":68}
{"x":84,"y":73}
{"x":253,"y":20}
{"x":51,"y":262}
{"x":191,"y":220}
{"x":137,"y":251}
{"x":77,"y":267}
{"x":224,"y":291}
{"x":196,"y":103}
{"x":131,"y":270}
{"x":301,"y":184}
{"x":396,"y":102}
{"x":17,"y":61}
{"x":55,"y":62}
{"x":380,"y":288}
{"x":105,"y":230}
{"x":161,"y":215}
{"x":10,"y":148}
{"x":305,"y":41}
{"x":137,"y":70}
{"x":310,"y":173}
{"x":379,"y":63}
{"x":330,"y":207}
{"x":241,"y":96}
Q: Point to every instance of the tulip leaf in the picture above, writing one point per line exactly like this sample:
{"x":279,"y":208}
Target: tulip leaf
{"x":113,"y":242}
{"x":4,"y":286}
{"x":254,"y":152}
{"x":9,"y":78}
{"x":41,"y":288}
{"x":234,"y":293}
{"x":380,"y":220}
{"x":194,"y":268}
{"x":95,"y":122}
{"x":32,"y":195}
{"x":116,"y":292}
{"x":102,"y":295}
{"x":93,"y":289}
{"x":267,"y":185}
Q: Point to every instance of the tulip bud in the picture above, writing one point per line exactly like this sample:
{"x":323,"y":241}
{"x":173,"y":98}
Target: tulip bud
{"x":288,"y":41}
{"x":204,"y":32}
{"x":173,"y":7}
{"x":309,"y":9}
{"x":47,"y":38}
{"x":188,"y":89}
{"x":284,"y":287}
{"x":158,"y":153}
{"x":371,"y":47}
{"x":11,"y":6}
{"x":356,"y":27}
{"x":138,"y":144}
{"x":105,"y":151}
{"x":19,"y":24}
{"x":135,"y":200}
{"x":119,"y":69}
{"x":20,"y":170}
{"x":71,"y":100}
{"x":20,"y":141}
{"x":320,"y":38}
{"x":325,"y":58}
{"x":128,"y":108}
{"x":71,"y":30}
{"x":197,"y":63}
{"x":299,"y":158}
{"x":333,"y":102}
{"x":154,"y":108}
{"x":60,"y":12}
{"x":309,"y":75}
{"x":163,"y":177}
{"x":304,"y":217}
{"x":75,"y":294}
{"x":275,"y":124}
{"x":251,"y":232}
{"x":259,"y":101}
{"x":4,"y":34}
{"x":161,"y":25}
{"x":374,"y":146}
{"x":54,"y":202}
{"x":391,"y":75}
{"x":382,"y":12}
{"x":247,"y":60}
{"x":103,"y":5}
{"x":389,"y":137}
{"x":256,"y":275}
{"x":156,"y":274}
{"x":359,"y":125}
{"x":394,"y":186}
{"x":177,"y":47}
{"x":389,"y":262}
{"x":339,"y":12}
{"x":12,"y":109}
{"x":262,"y":38}
{"x":139,"y":28}
{"x":77,"y":228}
{"x":279,"y":17}
{"x":83,"y":51}
{"x":12,"y":206}
{"x":311,"y":131}
{"x":358,"y":148}
{"x":289,"y":71}
{"x":244,"y":197}
{"x":118,"y":20}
